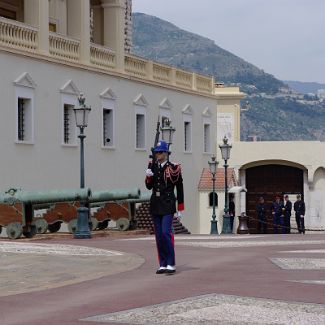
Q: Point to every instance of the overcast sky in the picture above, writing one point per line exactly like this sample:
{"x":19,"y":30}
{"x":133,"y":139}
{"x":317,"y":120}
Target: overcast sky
{"x":283,"y":37}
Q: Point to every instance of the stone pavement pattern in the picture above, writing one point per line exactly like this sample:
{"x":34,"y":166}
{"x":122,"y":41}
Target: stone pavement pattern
{"x":266,"y":279}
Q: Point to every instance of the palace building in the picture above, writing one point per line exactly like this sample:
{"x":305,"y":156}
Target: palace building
{"x":50,"y":52}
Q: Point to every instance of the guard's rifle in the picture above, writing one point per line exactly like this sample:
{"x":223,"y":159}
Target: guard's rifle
{"x":153,"y":156}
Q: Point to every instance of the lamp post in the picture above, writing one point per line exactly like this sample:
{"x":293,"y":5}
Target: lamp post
{"x":167,"y":133}
{"x":225,"y":153}
{"x":213,"y":170}
{"x":81,"y":116}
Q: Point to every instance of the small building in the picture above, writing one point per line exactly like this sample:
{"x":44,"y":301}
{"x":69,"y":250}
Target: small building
{"x":205,"y":189}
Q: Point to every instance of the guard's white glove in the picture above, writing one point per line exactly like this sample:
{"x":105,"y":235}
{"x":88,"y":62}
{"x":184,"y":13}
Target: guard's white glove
{"x":302,"y":216}
{"x":178,"y":215}
{"x":149,"y":172}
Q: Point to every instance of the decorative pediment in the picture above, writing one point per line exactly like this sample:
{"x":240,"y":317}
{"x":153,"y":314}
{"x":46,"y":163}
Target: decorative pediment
{"x":25,"y":80}
{"x":188,"y":109}
{"x":140,"y":100}
{"x":70,"y":88}
{"x":207,"y":112}
{"x":108,"y":93}
{"x":166,"y":104}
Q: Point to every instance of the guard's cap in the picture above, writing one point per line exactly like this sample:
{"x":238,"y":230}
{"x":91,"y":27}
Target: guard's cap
{"x":161,"y":146}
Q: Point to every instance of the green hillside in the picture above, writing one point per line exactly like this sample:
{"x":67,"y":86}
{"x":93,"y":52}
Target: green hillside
{"x":272,"y":116}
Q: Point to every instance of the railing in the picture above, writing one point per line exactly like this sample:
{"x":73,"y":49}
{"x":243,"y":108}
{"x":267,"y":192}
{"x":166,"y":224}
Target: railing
{"x":18,"y":35}
{"x":102,"y":57}
{"x":21,"y":36}
{"x":204,"y":83}
{"x":184,"y":79}
{"x":162,"y":73}
{"x":135,"y":66}
{"x":64,"y":47}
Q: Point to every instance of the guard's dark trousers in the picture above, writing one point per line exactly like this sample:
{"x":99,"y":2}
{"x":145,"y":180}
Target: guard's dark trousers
{"x":164,"y":239}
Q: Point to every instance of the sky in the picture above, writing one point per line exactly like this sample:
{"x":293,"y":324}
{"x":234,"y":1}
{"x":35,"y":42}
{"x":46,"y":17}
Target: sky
{"x":283,"y":37}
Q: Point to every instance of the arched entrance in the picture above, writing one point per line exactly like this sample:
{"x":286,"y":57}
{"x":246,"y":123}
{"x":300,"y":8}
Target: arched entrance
{"x":269,"y":181}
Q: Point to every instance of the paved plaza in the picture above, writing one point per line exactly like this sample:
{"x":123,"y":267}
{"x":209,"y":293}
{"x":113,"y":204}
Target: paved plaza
{"x":231,"y":279}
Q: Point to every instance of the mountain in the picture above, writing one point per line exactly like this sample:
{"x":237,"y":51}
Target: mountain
{"x":276,"y":113}
{"x":304,"y":87}
{"x":162,"y":41}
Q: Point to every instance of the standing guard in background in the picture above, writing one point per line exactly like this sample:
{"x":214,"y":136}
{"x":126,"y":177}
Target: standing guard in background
{"x":261,"y":213}
{"x":232,"y":211}
{"x":287,"y":214}
{"x":300,"y":210}
{"x":278,"y":216}
{"x":162,"y":177}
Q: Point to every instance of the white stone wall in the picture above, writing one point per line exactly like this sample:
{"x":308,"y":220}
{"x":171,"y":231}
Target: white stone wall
{"x":306,"y":155}
{"x":46,"y":163}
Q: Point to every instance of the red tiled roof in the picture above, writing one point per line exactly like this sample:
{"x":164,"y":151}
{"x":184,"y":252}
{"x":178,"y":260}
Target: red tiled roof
{"x":206,"y":179}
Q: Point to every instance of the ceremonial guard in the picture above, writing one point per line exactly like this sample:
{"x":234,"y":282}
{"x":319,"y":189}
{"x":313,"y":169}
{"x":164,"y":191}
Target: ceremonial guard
{"x":261,"y":213}
{"x":277,"y":210}
{"x":300,"y":210}
{"x":162,"y":177}
{"x":287,"y":213}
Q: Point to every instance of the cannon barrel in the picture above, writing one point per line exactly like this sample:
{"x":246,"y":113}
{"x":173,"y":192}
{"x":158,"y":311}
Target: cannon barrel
{"x":114,"y":195}
{"x":14,"y":196}
{"x":142,"y":198}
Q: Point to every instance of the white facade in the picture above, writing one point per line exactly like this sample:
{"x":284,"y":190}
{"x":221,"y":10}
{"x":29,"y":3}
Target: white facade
{"x":308,"y":156}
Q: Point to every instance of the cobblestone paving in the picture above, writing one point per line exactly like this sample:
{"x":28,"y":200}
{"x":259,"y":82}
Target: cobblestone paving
{"x":254,"y":243}
{"x":300,"y":263}
{"x":220,"y":309}
{"x":312,"y":251}
{"x":321,"y":282}
{"x":26,"y":267}
{"x":53,"y":249}
{"x":205,"y":237}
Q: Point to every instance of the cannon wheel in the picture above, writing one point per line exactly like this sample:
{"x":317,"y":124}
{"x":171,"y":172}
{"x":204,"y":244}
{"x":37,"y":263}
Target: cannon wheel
{"x":54,"y":227}
{"x":94,"y":223}
{"x":123,"y":224}
{"x":14,"y":230}
{"x":72,"y":226}
{"x":41,"y":225}
{"x":103,"y":224}
{"x":29,"y":231}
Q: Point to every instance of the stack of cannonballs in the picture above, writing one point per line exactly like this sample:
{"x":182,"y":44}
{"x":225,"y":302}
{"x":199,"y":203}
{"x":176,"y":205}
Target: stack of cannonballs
{"x":144,"y":220}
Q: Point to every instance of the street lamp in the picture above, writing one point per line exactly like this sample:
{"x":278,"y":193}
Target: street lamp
{"x":167,"y":133}
{"x":213,"y":170}
{"x":225,"y":153}
{"x":81,"y":116}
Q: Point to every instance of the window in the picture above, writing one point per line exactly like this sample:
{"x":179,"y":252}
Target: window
{"x":24,"y":120}
{"x":9,"y":14}
{"x":24,"y":105}
{"x":108,"y":127}
{"x":206,"y":138}
{"x":69,"y":124}
{"x":140,"y":131}
{"x":187,"y":136}
{"x":211,"y":199}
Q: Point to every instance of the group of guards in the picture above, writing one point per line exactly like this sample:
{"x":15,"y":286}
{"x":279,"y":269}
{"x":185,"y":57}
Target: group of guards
{"x":281,"y":215}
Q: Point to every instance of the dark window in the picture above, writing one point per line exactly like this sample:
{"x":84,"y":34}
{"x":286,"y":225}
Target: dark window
{"x":211,"y":199}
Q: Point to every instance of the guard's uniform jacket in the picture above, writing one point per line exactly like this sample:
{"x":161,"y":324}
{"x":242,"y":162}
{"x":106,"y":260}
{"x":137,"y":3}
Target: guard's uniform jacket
{"x":287,"y":216}
{"x":300,"y":210}
{"x":162,"y":184}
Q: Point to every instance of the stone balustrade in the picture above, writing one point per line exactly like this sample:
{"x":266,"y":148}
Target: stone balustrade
{"x":64,"y":47}
{"x":135,"y":66}
{"x":102,"y":57}
{"x":18,"y":35}
{"x":184,"y":79}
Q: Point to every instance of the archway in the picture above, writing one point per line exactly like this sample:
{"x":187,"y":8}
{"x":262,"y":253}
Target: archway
{"x":268,"y":181}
